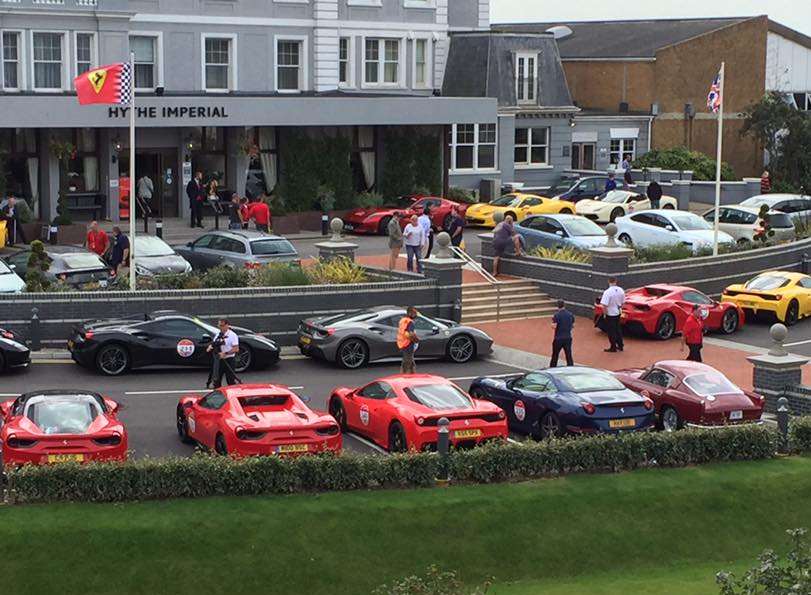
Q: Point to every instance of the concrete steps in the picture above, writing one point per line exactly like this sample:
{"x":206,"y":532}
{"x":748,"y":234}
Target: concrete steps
{"x":519,"y":300}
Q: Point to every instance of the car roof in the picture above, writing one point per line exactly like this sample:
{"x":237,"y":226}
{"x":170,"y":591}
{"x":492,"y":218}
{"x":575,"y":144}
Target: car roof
{"x":60,"y":249}
{"x":247,"y":234}
{"x":685,"y":367}
{"x":406,"y":380}
{"x":665,"y":212}
{"x":778,"y":197}
{"x":788,"y":274}
{"x":567,"y":370}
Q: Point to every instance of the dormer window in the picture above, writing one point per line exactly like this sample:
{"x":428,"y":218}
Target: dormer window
{"x":526,"y":77}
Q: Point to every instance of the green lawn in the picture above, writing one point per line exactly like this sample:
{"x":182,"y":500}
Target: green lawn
{"x":660,"y":531}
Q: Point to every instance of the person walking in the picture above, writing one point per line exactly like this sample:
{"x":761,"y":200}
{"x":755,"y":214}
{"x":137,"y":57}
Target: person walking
{"x":224,"y":349}
{"x":395,"y":232}
{"x":627,"y":179}
{"x":235,"y":212}
{"x":120,"y":253}
{"x":196,"y":193}
{"x":10,"y":213}
{"x":427,"y":230}
{"x":407,"y":341}
{"x":456,"y":227}
{"x":563,"y":323}
{"x":414,"y":238}
{"x":145,"y":189}
{"x":611,"y":182}
{"x":97,"y":240}
{"x":654,"y":194}
{"x":692,"y":334}
{"x":504,"y":235}
{"x":765,"y":182}
{"x":612,"y":301}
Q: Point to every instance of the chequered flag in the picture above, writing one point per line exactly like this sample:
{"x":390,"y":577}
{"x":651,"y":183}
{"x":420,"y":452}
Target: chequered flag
{"x":125,"y":85}
{"x":110,"y":84}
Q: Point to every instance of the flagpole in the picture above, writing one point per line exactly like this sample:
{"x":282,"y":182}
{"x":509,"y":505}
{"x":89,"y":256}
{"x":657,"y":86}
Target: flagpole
{"x":132,"y":171}
{"x":722,"y":76}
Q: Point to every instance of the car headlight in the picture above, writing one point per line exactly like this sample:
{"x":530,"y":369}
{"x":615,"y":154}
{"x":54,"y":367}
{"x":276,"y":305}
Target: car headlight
{"x":139,"y":270}
{"x":187,"y":267}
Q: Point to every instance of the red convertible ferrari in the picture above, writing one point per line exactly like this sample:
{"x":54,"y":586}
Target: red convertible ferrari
{"x":376,"y":220}
{"x":401,"y":412}
{"x":693,"y":394}
{"x":256,"y":419}
{"x":660,"y":310}
{"x":60,"y":426}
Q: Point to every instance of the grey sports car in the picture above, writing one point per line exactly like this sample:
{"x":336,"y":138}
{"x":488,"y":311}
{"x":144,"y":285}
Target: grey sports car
{"x":354,"y":339}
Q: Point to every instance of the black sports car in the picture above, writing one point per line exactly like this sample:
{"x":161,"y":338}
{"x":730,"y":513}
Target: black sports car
{"x":164,"y":338}
{"x":13,"y":351}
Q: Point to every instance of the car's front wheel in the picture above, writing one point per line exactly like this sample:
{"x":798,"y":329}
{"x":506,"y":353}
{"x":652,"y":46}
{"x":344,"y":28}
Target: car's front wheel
{"x":353,"y":354}
{"x":113,"y":360}
{"x":461,"y":349}
{"x":626,"y":239}
{"x":729,"y":323}
{"x":668,"y":207}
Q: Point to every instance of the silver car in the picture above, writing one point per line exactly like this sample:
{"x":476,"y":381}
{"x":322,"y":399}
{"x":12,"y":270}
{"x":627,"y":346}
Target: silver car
{"x":10,"y":282}
{"x":73,"y":265}
{"x":560,"y":231}
{"x":237,"y":248}
{"x":798,"y":206}
{"x":153,"y":256}
{"x":353,"y":340}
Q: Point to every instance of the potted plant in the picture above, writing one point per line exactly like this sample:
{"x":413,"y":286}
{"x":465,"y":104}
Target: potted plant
{"x":64,"y":151}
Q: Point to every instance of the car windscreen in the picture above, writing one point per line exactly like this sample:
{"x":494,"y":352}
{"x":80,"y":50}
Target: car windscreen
{"x":767,"y":282}
{"x":580,"y":226}
{"x":271,"y":247}
{"x":690,"y":222}
{"x":79,"y":260}
{"x":439,"y":396}
{"x":4,"y":270}
{"x":508,"y":200}
{"x":586,"y":381}
{"x":152,"y":246}
{"x":62,"y":414}
{"x":561,"y":187}
{"x":615,"y":196}
{"x":756,"y":201}
{"x":711,"y":383}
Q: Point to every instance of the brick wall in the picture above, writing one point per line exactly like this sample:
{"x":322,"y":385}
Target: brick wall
{"x":604,"y":85}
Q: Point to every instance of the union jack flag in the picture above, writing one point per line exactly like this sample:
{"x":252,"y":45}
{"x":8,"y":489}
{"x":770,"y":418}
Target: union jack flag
{"x":714,"y":97}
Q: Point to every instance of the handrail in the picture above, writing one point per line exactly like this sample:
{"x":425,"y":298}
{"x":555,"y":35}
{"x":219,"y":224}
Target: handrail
{"x":468,"y":259}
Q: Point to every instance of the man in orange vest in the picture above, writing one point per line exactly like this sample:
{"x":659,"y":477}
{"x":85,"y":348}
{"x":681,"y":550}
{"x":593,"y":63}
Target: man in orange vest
{"x":407,"y":341}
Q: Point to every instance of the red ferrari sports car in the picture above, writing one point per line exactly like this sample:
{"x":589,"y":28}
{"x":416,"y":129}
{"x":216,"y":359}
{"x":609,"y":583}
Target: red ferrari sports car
{"x":59,"y":426}
{"x":256,"y":419}
{"x":660,"y":310}
{"x":694,"y":394}
{"x":376,"y":220}
{"x":401,"y":412}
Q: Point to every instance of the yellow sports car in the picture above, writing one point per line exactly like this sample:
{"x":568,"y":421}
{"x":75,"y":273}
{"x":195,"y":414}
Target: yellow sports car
{"x":520,"y":206}
{"x":786,"y":295}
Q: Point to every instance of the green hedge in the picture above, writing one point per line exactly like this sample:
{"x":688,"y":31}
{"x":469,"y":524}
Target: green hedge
{"x":203,"y":475}
{"x":799,"y":434}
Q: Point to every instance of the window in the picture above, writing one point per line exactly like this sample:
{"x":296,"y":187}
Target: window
{"x":803,"y":101}
{"x":48,"y":53}
{"x":473,"y":146}
{"x":177,"y":327}
{"x":526,"y":76}
{"x":213,"y":400}
{"x":145,"y":49}
{"x":376,"y":390}
{"x":583,"y":155}
{"x":204,"y":242}
{"x":695,"y":297}
{"x":382,"y":62}
{"x":620,"y":147}
{"x":288,"y":65}
{"x":218,"y":66}
{"x":11,"y":60}
{"x":344,"y":62}
{"x":421,"y":72}
{"x":536,"y":383}
{"x":531,"y":147}
{"x":85,"y":52}
{"x":658,"y":378}
{"x":82,"y":171}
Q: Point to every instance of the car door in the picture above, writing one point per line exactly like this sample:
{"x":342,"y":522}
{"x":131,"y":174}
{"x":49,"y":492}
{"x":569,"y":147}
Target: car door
{"x":147,"y":346}
{"x":663,"y":231}
{"x":557,"y":233}
{"x":535,"y":234}
{"x":204,"y":418}
{"x":368,"y":411}
{"x":20,"y":262}
{"x":183,"y":342}
{"x":589,"y":188}
{"x":530,"y":205}
{"x":653,"y":384}
{"x":641,"y":229}
{"x":197,"y":253}
{"x":637,"y":202}
{"x":527,"y":400}
{"x":386,"y":328}
{"x":433,"y":338}
{"x":688,"y":299}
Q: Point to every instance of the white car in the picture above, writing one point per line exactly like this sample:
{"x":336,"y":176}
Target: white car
{"x":619,"y":203}
{"x":10,"y":281}
{"x":796,"y":205}
{"x":667,"y":227}
{"x":743,"y":223}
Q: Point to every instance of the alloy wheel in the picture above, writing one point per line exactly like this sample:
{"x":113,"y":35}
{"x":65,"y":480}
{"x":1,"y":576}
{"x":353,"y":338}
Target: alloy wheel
{"x":353,"y":354}
{"x":461,"y":349}
{"x":243,"y":358}
{"x":397,"y":440}
{"x":670,"y":420}
{"x":550,"y":426}
{"x":113,"y":360}
{"x":729,"y":324}
{"x":666,"y":326}
{"x":336,"y":410}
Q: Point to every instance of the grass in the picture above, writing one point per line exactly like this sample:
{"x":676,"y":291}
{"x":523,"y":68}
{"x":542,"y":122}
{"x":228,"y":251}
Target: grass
{"x":653,"y":531}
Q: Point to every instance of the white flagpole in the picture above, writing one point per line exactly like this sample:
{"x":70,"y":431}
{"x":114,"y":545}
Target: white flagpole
{"x":133,"y":189}
{"x":722,"y":76}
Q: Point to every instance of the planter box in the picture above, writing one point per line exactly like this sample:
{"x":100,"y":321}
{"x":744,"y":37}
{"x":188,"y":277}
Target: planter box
{"x":286,"y":224}
{"x":311,"y":220}
{"x":74,"y":233}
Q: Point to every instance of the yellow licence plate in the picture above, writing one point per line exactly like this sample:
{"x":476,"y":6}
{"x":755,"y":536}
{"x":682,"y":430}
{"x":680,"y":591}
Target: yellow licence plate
{"x":305,"y":340}
{"x":287,"y":448}
{"x":622,"y":423}
{"x":65,"y":458}
{"x":467,"y":433}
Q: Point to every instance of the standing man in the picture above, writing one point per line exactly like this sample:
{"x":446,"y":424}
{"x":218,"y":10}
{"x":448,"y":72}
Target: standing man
{"x":197,"y":195}
{"x":14,"y":228}
{"x":563,"y":323}
{"x":692,"y":334}
{"x":612,"y":302}
{"x":259,"y":211}
{"x":145,"y":190}
{"x":456,"y":229}
{"x":395,"y":239}
{"x":414,"y":237}
{"x":226,"y":347}
{"x":654,"y":194}
{"x":97,"y":240}
{"x":611,"y":182}
{"x":407,"y":341}
{"x":120,"y":255}
{"x":627,"y":179}
{"x":234,"y":213}
{"x":428,"y":235}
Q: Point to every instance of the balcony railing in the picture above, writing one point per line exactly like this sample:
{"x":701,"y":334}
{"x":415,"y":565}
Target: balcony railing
{"x":59,"y":3}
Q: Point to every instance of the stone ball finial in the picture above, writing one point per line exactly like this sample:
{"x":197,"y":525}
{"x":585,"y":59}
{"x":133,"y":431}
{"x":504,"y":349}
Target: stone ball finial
{"x":611,"y":232}
{"x":778,"y":332}
{"x":498,"y":217}
{"x":337,"y":226}
{"x":443,"y":240}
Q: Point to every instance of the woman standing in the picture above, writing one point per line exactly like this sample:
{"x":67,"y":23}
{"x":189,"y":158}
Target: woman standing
{"x":395,"y":240}
{"x":503,"y":235}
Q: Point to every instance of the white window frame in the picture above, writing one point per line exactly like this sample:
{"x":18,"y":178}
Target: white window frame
{"x":233,"y":77}
{"x":521,"y":92}
{"x":65,"y":62}
{"x":419,"y":3}
{"x":374,"y":3}
{"x":94,"y":50}
{"x":529,"y":164}
{"x":350,"y":66}
{"x":158,"y":67}
{"x":21,"y":60}
{"x":381,"y":62}
{"x":429,"y":63}
{"x":623,"y":150}
{"x":475,"y":169}
{"x":304,"y":80}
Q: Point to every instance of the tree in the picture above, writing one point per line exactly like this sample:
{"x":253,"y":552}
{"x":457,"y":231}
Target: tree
{"x":64,"y":153}
{"x":683,"y":159}
{"x":38,"y":264}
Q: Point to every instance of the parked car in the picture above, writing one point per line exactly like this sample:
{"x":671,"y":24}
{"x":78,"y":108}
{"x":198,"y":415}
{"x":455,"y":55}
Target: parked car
{"x":572,"y":400}
{"x":153,"y":257}
{"x":238,"y":248}
{"x":354,"y":339}
{"x":692,"y":394}
{"x":376,"y":220}
{"x":577,"y":189}
{"x":70,"y":264}
{"x":661,"y":310}
{"x":256,"y":419}
{"x":744,"y":223}
{"x":520,"y":206}
{"x":401,"y":413}
{"x":784,"y":294}
{"x":798,"y":206}
{"x":663,"y":227}
{"x":163,"y":338}
{"x":619,"y":203}
{"x":60,"y":426}
{"x":10,"y":281}
{"x":13,"y":351}
{"x":560,"y":231}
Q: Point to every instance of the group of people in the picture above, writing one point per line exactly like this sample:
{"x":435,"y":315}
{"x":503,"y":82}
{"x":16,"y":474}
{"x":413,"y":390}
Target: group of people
{"x":418,"y":237}
{"x":653,"y":191}
{"x":241,"y":211}
{"x":116,"y":252}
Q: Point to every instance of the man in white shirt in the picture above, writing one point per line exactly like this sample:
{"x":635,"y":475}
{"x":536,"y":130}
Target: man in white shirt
{"x":428,"y":237}
{"x":227,"y":346}
{"x":612,"y":301}
{"x":414,"y":238}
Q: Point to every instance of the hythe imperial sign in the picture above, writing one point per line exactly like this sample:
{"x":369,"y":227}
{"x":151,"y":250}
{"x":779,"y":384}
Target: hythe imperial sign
{"x":169,"y":112}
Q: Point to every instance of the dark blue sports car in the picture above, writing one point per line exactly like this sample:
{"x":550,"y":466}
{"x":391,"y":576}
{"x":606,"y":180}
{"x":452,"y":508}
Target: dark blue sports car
{"x":559,"y":401}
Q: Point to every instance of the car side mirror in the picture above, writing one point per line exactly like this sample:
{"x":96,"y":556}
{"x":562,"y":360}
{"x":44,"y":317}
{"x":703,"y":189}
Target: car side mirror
{"x":305,"y":399}
{"x":435,"y":330}
{"x":559,"y":233}
{"x":13,"y":267}
{"x":190,"y":245}
{"x":205,"y":339}
{"x":669,"y":228}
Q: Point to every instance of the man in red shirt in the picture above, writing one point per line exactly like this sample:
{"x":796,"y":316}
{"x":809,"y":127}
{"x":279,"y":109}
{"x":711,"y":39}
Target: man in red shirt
{"x":692,"y":334}
{"x":259,"y":211}
{"x":97,"y":240}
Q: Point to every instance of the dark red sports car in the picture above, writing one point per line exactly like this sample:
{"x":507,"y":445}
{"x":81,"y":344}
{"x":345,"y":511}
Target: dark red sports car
{"x":660,"y":310}
{"x":59,"y":426}
{"x":256,"y":419}
{"x":693,"y":394}
{"x":401,"y":412}
{"x":376,"y":220}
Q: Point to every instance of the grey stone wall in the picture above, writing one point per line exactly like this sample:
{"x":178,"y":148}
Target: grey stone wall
{"x":799,"y":401}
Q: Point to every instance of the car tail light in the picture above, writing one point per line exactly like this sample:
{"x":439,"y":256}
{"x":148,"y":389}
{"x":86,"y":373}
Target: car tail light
{"x":249,"y":434}
{"x":113,"y":440}
{"x":7,"y":335}
{"x":88,"y":334}
{"x":589,"y":408}
{"x":420,"y":421}
{"x":252,"y":265}
{"x":14,"y":442}
{"x":327,"y":332}
{"x":648,"y":404}
{"x":328,"y":431}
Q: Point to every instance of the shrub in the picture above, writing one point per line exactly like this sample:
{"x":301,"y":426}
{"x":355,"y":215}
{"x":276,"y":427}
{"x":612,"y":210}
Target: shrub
{"x":224,"y":276}
{"x":338,"y":271}
{"x":171,"y":281}
{"x":799,"y":434}
{"x":279,"y":275}
{"x":682,"y":159}
{"x":565,"y":254}
{"x":433,"y":582}
{"x":38,"y":264}
{"x":463,"y":195}
{"x":369,"y":200}
{"x":662,"y":253}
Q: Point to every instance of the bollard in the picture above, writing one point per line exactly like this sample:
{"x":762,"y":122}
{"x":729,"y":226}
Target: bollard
{"x":782,"y":423}
{"x":324,"y":224}
{"x":159,"y":228}
{"x":216,"y":219}
{"x":443,"y":448}
{"x":34,"y":332}
{"x":457,"y":310}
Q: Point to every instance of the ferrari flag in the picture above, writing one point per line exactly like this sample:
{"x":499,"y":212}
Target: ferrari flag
{"x":106,"y":84}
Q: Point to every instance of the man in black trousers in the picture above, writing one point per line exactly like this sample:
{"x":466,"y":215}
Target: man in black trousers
{"x":563,"y":323}
{"x":197,"y":194}
{"x":14,"y":228}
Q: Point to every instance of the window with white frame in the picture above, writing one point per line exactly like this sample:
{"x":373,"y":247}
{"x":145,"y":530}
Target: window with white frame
{"x":145,"y":48}
{"x":620,"y":147}
{"x":343,"y":61}
{"x":526,"y":77}
{"x":218,"y":66}
{"x":11,"y":60}
{"x":85,"y":52}
{"x":531,"y":146}
{"x":421,"y":63}
{"x":48,"y":60}
{"x":288,"y":65}
{"x":382,"y":62}
{"x":473,"y":146}
{"x":803,"y":101}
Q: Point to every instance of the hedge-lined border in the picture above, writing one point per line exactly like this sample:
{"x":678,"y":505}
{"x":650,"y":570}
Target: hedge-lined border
{"x":201,"y":476}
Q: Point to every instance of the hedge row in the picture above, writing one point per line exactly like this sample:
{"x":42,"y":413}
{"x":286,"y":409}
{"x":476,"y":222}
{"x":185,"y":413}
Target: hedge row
{"x":205,"y":475}
{"x":799,"y":434}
